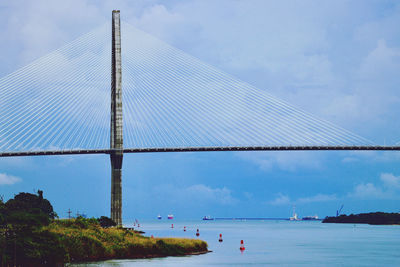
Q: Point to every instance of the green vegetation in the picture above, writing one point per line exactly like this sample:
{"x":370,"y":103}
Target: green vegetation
{"x":86,"y":240}
{"x":30,"y":233}
{"x":376,"y":218}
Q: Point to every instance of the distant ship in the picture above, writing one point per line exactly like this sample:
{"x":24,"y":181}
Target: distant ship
{"x":294,"y":217}
{"x":310,"y":218}
{"x":207,"y":218}
{"x":159,"y":217}
{"x":170,"y":216}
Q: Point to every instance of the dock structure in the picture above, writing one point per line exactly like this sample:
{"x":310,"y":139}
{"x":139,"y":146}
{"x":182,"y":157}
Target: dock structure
{"x":116,"y":135}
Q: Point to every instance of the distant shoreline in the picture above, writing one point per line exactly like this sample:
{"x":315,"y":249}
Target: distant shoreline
{"x":373,"y":218}
{"x":259,"y":219}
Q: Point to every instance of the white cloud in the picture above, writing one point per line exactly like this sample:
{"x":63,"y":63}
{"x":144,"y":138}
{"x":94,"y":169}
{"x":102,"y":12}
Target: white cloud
{"x":350,"y":159}
{"x":390,"y":181}
{"x":316,"y":198}
{"x":289,"y":161}
{"x":222,"y":195}
{"x":198,"y":193}
{"x":389,"y":188}
{"x":282,"y":199}
{"x":157,"y":19}
{"x":375,"y":156}
{"x":6,"y":179}
{"x":367,"y":190}
{"x":248,"y":195}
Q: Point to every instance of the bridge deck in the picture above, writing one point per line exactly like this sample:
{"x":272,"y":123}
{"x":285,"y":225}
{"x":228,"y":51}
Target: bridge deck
{"x":199,"y":149}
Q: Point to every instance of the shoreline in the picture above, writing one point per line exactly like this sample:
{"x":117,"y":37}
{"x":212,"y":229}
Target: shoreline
{"x":150,"y":256}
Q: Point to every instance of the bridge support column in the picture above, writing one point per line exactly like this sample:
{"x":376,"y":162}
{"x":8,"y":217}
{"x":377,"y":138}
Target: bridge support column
{"x":116,"y":137}
{"x":116,"y":187}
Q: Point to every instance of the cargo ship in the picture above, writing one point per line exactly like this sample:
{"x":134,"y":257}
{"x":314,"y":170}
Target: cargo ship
{"x":310,"y":218}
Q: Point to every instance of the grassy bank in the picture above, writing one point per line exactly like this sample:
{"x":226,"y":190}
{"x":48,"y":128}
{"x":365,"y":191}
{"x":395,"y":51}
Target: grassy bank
{"x":86,"y":240}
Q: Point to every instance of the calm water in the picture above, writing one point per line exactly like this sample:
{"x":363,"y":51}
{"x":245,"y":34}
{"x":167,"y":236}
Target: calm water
{"x":277,"y":243}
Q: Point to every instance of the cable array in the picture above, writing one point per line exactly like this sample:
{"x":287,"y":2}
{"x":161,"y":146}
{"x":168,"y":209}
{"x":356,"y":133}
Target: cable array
{"x":61,"y":100}
{"x":170,"y":100}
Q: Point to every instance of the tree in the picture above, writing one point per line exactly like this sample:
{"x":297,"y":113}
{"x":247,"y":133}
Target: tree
{"x":106,"y":222}
{"x":2,"y":212}
{"x":30,"y":203}
{"x":23,"y":219}
{"x":2,"y":233}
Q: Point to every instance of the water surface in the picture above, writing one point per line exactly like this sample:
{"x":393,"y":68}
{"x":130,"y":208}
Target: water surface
{"x":308,"y":243}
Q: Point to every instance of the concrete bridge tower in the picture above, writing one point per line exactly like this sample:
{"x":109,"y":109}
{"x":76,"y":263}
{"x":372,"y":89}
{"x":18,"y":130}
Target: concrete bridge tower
{"x":116,"y":136}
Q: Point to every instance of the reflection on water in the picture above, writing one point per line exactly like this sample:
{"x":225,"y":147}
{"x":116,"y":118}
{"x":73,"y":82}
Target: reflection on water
{"x":277,"y":243}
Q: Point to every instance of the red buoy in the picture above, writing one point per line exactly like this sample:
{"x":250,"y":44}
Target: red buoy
{"x":184,"y":228}
{"x":197,"y":233}
{"x":152,"y":236}
{"x":220,"y":238}
{"x":172,"y":225}
{"x":242,"y":248}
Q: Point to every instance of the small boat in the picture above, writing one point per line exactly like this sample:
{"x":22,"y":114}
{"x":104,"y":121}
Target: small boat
{"x":207,"y":218}
{"x":170,"y":216}
{"x":159,"y":217}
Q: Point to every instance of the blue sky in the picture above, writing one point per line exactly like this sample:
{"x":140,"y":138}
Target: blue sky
{"x":337,"y":60}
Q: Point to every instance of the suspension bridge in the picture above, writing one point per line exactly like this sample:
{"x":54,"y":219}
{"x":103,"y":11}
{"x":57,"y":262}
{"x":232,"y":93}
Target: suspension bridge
{"x":161,"y":100}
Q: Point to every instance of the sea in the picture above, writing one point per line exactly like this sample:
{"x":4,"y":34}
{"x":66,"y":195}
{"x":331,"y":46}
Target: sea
{"x":275,"y":243}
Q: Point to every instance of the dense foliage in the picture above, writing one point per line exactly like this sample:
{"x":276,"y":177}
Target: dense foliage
{"x":31,"y":234}
{"x":106,"y":222}
{"x":377,"y":218}
{"x":22,"y":219}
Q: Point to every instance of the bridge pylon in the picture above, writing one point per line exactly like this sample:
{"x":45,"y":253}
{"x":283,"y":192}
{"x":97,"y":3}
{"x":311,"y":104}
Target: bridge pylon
{"x":116,"y":134}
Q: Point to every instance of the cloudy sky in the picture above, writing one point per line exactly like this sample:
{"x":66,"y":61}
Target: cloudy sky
{"x":339,"y":60}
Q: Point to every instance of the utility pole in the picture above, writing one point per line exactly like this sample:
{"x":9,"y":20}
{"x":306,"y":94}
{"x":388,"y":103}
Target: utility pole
{"x":116,"y":137}
{"x":69,"y":213}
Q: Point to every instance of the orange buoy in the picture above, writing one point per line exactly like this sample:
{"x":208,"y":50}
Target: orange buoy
{"x":184,"y":228}
{"x":242,"y":248}
{"x":172,"y":225}
{"x":197,"y":233}
{"x":220,"y":238}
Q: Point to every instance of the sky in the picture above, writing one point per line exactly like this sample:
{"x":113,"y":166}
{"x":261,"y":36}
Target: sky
{"x":338,"y":60}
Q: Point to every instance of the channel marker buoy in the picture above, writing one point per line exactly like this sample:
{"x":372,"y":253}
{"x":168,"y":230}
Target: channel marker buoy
{"x":242,"y":248}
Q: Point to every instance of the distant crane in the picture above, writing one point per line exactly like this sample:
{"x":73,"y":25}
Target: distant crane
{"x":338,"y":211}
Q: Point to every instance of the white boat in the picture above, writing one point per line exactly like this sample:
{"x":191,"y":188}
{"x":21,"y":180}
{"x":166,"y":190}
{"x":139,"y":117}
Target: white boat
{"x":170,"y":216}
{"x":159,"y":217}
{"x":294,"y":217}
